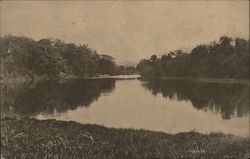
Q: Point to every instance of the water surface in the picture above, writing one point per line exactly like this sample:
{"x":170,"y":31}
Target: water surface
{"x":170,"y":106}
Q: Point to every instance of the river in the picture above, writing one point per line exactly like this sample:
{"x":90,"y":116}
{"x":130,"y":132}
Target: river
{"x":170,"y":106}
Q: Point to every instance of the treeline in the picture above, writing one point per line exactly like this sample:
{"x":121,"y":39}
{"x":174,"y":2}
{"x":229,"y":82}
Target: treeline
{"x":22,"y":56}
{"x":225,"y":58}
{"x":123,"y":70}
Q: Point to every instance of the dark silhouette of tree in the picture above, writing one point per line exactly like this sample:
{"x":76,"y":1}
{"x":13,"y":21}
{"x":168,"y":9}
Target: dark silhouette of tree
{"x":21,"y":56}
{"x":153,"y":58}
{"x":227,"y":58}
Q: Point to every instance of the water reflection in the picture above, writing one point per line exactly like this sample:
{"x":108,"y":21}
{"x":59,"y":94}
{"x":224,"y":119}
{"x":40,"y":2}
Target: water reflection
{"x":52,"y":96}
{"x":168,"y":106}
{"x":225,"y":98}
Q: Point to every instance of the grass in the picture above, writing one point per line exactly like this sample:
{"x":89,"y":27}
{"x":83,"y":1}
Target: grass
{"x":33,"y":139}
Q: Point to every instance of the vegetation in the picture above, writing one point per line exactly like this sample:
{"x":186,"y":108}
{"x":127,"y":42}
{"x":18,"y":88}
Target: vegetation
{"x":21,"y":56}
{"x":129,"y":70}
{"x":30,"y":138}
{"x":226,"y":58}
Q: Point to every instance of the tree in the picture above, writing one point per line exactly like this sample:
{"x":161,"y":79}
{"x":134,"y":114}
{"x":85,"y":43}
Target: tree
{"x":153,"y":58}
{"x":51,"y":57}
{"x":223,"y":59}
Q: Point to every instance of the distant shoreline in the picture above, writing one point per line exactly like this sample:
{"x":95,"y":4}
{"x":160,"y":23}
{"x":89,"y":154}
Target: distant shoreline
{"x":135,"y":76}
{"x":208,"y":80}
{"x":38,"y":78}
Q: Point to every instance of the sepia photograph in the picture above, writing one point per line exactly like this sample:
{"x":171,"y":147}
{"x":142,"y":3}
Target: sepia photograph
{"x":124,"y":79}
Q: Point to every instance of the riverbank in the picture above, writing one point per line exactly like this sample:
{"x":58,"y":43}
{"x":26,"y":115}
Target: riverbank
{"x":207,"y":80}
{"x":31,"y":138}
{"x":124,"y":77}
{"x":68,"y":77}
{"x":135,"y":76}
{"x":34,"y":78}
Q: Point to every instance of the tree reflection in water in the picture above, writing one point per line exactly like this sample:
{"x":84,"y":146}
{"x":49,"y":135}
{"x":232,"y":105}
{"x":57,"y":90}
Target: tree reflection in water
{"x":228,"y":99}
{"x":48,"y":96}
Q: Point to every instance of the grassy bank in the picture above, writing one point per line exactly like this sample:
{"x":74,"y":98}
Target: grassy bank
{"x":30,"y":138}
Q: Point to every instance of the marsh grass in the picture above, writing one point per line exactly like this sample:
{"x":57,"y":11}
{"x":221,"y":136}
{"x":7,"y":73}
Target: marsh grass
{"x":34,"y":139}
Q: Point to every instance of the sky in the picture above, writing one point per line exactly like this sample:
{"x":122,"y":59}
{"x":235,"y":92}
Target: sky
{"x":127,"y":30}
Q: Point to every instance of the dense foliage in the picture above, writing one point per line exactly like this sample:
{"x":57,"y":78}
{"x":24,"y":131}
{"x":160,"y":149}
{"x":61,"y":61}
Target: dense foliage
{"x":226,"y":58}
{"x":21,"y":56}
{"x":123,"y":70}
